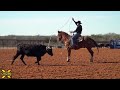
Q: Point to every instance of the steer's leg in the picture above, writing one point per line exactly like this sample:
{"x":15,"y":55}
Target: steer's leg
{"x":22,"y":58}
{"x":38,"y":59}
{"x":17,"y":54}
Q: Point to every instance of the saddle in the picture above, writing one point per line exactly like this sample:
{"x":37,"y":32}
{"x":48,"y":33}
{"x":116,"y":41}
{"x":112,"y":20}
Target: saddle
{"x":80,"y":39}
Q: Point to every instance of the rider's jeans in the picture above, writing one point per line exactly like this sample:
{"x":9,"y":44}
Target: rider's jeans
{"x":74,"y":38}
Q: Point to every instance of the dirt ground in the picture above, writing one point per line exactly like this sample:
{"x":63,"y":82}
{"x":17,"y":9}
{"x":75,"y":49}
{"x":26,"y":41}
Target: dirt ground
{"x":106,"y":65}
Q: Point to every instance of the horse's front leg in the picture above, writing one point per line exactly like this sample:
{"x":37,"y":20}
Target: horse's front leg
{"x":68,"y":54}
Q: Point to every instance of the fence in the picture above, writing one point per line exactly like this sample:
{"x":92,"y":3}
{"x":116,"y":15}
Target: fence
{"x":11,"y":43}
{"x":14,"y":42}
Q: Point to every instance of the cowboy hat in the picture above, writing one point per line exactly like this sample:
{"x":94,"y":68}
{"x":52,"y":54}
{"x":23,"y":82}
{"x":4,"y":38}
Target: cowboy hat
{"x":79,"y":22}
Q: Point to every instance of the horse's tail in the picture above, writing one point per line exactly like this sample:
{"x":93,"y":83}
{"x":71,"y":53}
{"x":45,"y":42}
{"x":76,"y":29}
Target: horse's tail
{"x":95,"y":43}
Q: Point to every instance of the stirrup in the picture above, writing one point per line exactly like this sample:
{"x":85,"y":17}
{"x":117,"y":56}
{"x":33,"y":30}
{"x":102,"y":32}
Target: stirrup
{"x":80,"y":40}
{"x":74,"y":46}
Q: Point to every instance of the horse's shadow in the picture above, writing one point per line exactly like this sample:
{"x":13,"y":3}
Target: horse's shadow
{"x":64,"y":64}
{"x":107,"y":62}
{"x":102,"y":62}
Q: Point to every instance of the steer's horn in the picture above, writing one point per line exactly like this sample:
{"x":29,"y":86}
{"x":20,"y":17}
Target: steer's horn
{"x":48,"y":47}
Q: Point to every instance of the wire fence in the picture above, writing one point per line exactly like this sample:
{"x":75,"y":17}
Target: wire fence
{"x":12,"y":43}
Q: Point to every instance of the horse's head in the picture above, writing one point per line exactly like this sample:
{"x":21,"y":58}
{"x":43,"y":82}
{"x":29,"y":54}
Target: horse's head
{"x":63,"y":36}
{"x":59,"y":35}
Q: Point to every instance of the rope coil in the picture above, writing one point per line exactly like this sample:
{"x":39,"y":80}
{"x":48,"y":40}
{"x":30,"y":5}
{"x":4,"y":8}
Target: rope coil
{"x":59,"y":29}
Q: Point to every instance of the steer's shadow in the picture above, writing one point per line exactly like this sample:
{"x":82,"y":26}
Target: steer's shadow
{"x":58,"y":64}
{"x":52,"y":65}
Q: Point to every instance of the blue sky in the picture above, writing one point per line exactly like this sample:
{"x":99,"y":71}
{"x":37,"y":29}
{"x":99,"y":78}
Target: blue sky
{"x":49,"y":22}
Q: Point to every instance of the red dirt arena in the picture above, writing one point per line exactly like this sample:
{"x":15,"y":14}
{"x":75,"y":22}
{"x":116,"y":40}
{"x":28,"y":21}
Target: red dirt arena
{"x":106,"y":65}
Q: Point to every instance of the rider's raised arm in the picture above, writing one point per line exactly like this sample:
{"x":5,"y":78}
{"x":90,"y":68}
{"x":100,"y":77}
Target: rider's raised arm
{"x":74,"y":21}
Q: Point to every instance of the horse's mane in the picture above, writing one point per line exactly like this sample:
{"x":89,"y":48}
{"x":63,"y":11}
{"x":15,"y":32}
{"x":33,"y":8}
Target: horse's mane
{"x":66,"y":34}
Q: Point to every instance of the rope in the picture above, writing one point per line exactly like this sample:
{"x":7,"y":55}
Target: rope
{"x":59,"y":29}
{"x":49,"y":41}
{"x":65,"y":23}
{"x":69,"y":26}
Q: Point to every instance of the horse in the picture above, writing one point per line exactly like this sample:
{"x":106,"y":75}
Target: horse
{"x":85,"y":42}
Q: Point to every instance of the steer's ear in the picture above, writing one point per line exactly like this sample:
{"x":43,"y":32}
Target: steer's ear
{"x":47,"y":47}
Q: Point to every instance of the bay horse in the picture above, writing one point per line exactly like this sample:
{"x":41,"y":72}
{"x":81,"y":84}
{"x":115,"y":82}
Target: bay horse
{"x":86,"y":42}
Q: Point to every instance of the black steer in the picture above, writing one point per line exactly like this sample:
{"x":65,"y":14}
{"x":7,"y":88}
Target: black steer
{"x":32,"y":50}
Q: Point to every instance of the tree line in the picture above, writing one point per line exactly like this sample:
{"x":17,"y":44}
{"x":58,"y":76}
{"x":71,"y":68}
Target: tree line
{"x":13,"y":40}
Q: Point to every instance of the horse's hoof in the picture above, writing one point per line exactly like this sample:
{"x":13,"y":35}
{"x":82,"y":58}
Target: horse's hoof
{"x":38,"y":63}
{"x":91,"y":61}
{"x":68,"y":60}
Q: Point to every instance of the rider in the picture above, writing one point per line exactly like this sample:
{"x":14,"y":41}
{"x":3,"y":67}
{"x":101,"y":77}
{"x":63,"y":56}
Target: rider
{"x":78,"y":32}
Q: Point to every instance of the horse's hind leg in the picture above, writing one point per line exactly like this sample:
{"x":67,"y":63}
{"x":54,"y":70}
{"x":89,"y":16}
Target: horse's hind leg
{"x":91,"y":53}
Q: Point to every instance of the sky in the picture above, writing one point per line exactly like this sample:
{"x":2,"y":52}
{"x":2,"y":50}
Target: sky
{"x":49,"y":22}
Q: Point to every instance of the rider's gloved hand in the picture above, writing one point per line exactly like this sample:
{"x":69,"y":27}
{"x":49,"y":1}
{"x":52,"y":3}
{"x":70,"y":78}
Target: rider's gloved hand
{"x":73,"y":19}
